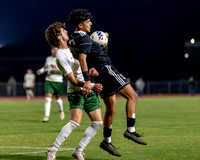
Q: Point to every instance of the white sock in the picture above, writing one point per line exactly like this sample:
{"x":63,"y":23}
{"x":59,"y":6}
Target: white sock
{"x":64,"y":133}
{"x":108,"y":139}
{"x":89,"y":134}
{"x":60,"y":104}
{"x":47,"y":106}
{"x":133,"y":115}
{"x":131,"y":129}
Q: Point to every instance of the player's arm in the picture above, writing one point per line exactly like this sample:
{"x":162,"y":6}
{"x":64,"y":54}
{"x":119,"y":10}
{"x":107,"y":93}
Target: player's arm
{"x":73,"y":80}
{"x":40,"y":71}
{"x":96,"y":86}
{"x":33,"y":82}
{"x":43,"y":69}
{"x":87,"y":86}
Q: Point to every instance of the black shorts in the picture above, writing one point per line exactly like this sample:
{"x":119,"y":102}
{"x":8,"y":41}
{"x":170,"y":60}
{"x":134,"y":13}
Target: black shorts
{"x":111,"y":79}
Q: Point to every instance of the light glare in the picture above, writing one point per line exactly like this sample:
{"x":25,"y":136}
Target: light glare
{"x":186,"y":55}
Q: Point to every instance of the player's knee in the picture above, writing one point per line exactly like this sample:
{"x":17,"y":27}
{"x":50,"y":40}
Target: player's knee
{"x":134,"y":96}
{"x":74,"y":124}
{"x":96,"y":124}
{"x":48,"y":99}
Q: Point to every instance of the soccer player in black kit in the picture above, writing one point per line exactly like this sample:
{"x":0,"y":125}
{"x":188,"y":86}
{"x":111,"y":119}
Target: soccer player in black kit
{"x":91,"y":54}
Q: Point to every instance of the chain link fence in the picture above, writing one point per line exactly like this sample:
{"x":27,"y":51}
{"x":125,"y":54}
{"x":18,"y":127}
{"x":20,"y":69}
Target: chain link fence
{"x":151,"y":87}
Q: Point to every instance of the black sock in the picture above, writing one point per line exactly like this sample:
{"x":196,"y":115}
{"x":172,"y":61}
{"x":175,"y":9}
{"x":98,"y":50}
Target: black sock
{"x":130,"y":122}
{"x":107,"y":132}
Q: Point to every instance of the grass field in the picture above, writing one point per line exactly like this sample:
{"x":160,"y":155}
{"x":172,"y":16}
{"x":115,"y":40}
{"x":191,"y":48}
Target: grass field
{"x":171,"y":127}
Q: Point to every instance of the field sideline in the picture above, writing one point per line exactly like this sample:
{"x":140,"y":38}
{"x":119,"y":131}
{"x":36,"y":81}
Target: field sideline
{"x":170,"y":126}
{"x":2,"y":98}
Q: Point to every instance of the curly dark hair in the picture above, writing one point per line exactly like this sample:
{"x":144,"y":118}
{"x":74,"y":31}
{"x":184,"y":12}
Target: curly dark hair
{"x":79,"y":15}
{"x":52,"y":32}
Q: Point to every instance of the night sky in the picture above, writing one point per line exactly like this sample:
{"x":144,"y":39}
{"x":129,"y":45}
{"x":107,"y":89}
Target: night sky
{"x":147,"y":37}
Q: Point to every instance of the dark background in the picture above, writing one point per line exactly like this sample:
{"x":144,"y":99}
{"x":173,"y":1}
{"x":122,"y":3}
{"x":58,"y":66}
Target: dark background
{"x":147,"y":37}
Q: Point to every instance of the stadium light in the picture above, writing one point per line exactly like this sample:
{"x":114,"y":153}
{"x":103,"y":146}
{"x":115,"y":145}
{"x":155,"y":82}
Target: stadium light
{"x":186,"y":55}
{"x":192,"y":41}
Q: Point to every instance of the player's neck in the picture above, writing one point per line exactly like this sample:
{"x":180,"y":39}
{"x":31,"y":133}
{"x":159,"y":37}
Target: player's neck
{"x":63,"y":45}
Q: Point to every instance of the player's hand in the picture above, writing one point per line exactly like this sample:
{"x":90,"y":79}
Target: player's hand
{"x":107,"y":35}
{"x":87,"y":88}
{"x":98,"y":87}
{"x":38,"y":72}
{"x":93,"y":72}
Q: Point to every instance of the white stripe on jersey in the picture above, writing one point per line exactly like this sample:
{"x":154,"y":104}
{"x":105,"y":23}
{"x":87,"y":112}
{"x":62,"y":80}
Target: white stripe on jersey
{"x":117,"y":77}
{"x":86,"y":43}
{"x":82,"y":33}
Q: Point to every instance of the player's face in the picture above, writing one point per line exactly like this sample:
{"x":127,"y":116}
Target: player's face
{"x":64,"y":34}
{"x":86,"y":25}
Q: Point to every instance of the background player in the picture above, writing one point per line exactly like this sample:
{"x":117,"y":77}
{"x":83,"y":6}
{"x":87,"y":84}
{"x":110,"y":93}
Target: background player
{"x":29,"y":84}
{"x":53,"y":85}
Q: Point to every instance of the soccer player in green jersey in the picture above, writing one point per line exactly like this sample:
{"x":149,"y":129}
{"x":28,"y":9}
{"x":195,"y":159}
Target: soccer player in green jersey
{"x":53,"y":85}
{"x":57,"y":36}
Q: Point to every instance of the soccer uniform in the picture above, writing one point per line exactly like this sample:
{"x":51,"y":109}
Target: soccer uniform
{"x":54,"y":78}
{"x":29,"y":83}
{"x":29,"y":80}
{"x":111,"y":79}
{"x":67,"y":64}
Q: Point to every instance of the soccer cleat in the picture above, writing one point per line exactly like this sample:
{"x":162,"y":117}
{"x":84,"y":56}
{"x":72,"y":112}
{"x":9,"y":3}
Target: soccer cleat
{"x":51,"y":155}
{"x":134,"y":137}
{"x":109,"y":148}
{"x":45,"y":119}
{"x":62,"y":115}
{"x":78,"y":154}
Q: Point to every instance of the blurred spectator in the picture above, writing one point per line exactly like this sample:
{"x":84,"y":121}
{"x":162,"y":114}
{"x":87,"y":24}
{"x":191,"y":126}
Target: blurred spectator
{"x":11,"y":86}
{"x":191,"y":86}
{"x":29,"y":84}
{"x":129,"y":80}
{"x":140,"y":84}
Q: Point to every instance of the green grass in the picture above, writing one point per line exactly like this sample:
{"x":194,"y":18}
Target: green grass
{"x":171,"y":128}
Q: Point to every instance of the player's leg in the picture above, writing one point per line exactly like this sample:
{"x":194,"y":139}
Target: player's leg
{"x":76,"y":116}
{"x":60,"y":105}
{"x":76,"y":101}
{"x":131,"y":96}
{"x":89,"y":133}
{"x":106,"y":144}
{"x":47,"y":107}
{"x":48,"y":98}
{"x":32,"y":93}
{"x":28,"y":94}
{"x":58,"y":92}
{"x":110,"y":103}
{"x":92,"y":107}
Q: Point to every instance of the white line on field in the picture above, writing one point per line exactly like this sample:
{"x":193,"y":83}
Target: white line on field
{"x":25,"y":147}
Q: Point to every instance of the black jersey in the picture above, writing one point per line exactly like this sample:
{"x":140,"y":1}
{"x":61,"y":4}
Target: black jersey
{"x":96,"y":57}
